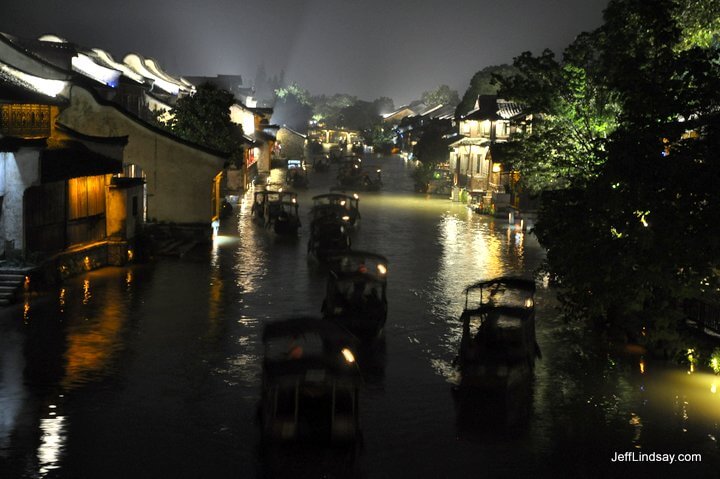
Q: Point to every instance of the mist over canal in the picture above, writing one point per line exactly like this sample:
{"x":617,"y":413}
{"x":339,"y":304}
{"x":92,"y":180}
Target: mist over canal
{"x":154,"y":370}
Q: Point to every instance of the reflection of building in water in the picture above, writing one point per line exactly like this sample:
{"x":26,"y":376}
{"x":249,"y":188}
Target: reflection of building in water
{"x":93,"y":343}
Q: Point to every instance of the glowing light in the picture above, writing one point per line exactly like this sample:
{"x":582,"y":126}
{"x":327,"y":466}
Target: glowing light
{"x":342,"y":203}
{"x":379,"y":170}
{"x":529,"y":303}
{"x":497,"y":168}
{"x":642,"y":366}
{"x":52,"y":443}
{"x":294,"y":200}
{"x":713,"y":388}
{"x":346,"y":218}
{"x":26,"y":312}
{"x":86,"y":291}
{"x":43,"y":85}
{"x":692,"y":359}
{"x":85,"y":65}
{"x":715,"y":360}
{"x":355,"y":195}
{"x":86,"y":261}
{"x":348,"y":355}
{"x":26,"y":283}
{"x":382,"y":269}
{"x":61,"y":300}
{"x":641,"y":215}
{"x":130,"y":255}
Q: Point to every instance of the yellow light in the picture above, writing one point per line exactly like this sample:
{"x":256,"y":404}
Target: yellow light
{"x":348,"y":355}
{"x":382,"y":269}
{"x":497,"y":168}
{"x":355,"y":195}
{"x":130,"y":255}
{"x":342,"y":203}
{"x":642,"y":366}
{"x":87,"y":262}
{"x":529,"y":303}
{"x":26,"y":284}
{"x":346,"y":218}
{"x":713,"y":388}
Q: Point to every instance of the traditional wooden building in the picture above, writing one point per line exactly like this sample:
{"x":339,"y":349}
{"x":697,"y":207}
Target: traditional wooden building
{"x":478,"y":167}
{"x":59,"y":203}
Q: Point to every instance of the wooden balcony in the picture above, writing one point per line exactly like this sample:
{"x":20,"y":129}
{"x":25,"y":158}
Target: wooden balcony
{"x":25,"y":121}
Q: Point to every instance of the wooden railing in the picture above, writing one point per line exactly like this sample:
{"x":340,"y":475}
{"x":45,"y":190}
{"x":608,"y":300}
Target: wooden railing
{"x":25,"y":121}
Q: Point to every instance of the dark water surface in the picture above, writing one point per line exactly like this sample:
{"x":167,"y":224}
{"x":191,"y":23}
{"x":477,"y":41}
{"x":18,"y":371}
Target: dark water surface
{"x":152,"y":371}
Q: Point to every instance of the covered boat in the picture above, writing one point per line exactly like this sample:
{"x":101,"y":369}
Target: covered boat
{"x":356,"y":296}
{"x":310,"y":383}
{"x":498,"y":346}
{"x":340,"y":206}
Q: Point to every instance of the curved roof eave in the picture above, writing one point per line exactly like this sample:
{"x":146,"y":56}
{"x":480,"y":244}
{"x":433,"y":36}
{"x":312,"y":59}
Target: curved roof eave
{"x":155,"y":129}
{"x":7,"y":40}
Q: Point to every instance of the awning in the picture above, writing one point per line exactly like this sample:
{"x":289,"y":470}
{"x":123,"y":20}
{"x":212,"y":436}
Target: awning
{"x":72,"y":159}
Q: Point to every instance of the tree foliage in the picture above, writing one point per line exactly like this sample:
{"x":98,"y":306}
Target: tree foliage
{"x":573,"y":114}
{"x":430,"y":150}
{"x":204,"y":118}
{"x":443,"y":95}
{"x":293,"y":107}
{"x":483,"y":82}
{"x":637,"y":238}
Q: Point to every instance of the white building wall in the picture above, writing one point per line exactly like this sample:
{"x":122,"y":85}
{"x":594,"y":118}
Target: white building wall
{"x":20,"y":170}
{"x":179,"y":177}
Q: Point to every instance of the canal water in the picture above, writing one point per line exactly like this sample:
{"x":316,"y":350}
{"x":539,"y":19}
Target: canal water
{"x":153,"y":371}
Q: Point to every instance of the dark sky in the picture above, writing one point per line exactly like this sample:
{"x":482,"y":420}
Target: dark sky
{"x":368,"y":48}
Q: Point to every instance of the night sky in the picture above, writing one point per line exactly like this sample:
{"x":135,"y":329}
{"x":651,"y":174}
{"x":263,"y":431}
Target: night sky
{"x":368,"y":48}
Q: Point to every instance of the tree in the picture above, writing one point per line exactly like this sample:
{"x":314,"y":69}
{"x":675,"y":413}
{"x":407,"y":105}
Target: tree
{"x":573,"y":114}
{"x":624,"y":244}
{"x":442,"y":96}
{"x":383,"y":105}
{"x":430,"y":150}
{"x":483,"y":82}
{"x":292,"y":107}
{"x":380,"y":138}
{"x":361,"y":115}
{"x":204,"y":118}
{"x":327,"y":109}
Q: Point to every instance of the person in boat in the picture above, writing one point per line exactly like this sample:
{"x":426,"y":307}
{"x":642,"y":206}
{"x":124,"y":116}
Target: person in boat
{"x":358,"y":296}
{"x":226,"y":209}
{"x":295,"y":351}
{"x":374,"y":302}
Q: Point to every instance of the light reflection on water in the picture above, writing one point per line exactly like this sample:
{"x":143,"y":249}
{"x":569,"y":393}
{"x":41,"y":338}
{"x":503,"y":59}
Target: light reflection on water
{"x":169,"y":354}
{"x":52,"y":443}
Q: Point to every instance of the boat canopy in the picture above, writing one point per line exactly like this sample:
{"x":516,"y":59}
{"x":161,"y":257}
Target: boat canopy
{"x":513,"y":282}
